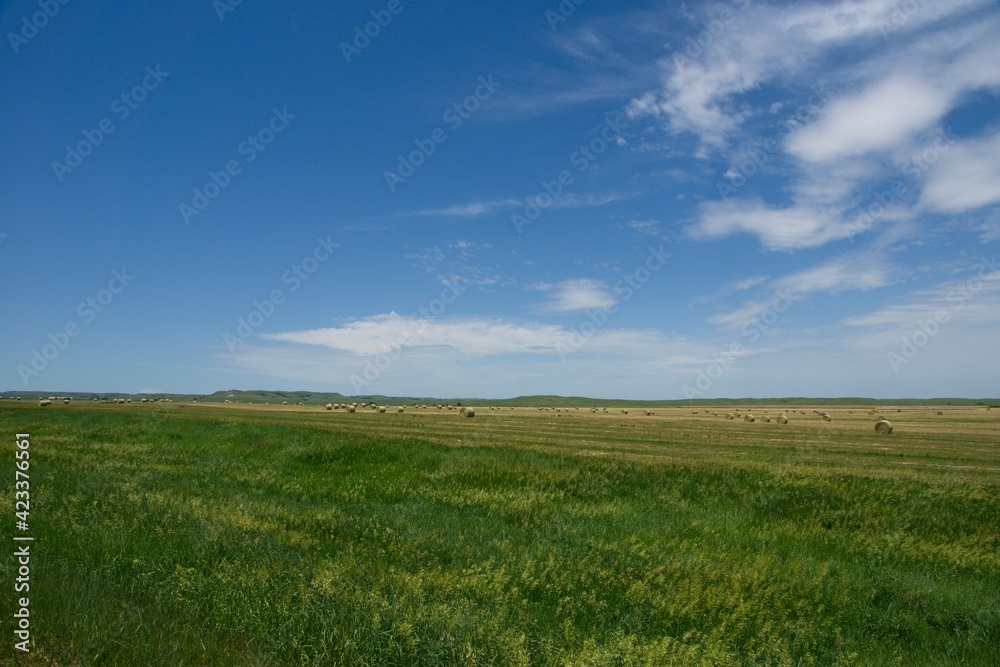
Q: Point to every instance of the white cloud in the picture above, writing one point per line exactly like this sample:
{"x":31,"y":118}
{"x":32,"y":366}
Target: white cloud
{"x":474,"y":336}
{"x":974,"y":299}
{"x":896,"y":72}
{"x":473,"y":356}
{"x":857,"y":272}
{"x":747,"y":283}
{"x":879,"y":117}
{"x":578,"y":295}
{"x":863,"y":271}
{"x":778,"y":229}
{"x":645,"y":227}
{"x":851,"y":19}
{"x":965,"y":177}
{"x":470,"y":209}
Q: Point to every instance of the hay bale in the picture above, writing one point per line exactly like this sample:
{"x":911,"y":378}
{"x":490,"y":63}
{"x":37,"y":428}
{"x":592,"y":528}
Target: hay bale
{"x":749,"y":418}
{"x":65,"y":401}
{"x":730,"y":416}
{"x":940,"y":412}
{"x":329,"y":406}
{"x":826,"y":417}
{"x":399,"y":409}
{"x":782,"y":419}
{"x":463,"y":411}
{"x":351,"y":408}
{"x":766,"y":419}
{"x":381,"y":409}
{"x":469,"y":412}
{"x":883,"y":427}
{"x":42,"y":402}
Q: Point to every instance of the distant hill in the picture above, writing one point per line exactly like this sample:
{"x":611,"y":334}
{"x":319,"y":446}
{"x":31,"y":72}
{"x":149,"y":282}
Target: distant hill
{"x":320,"y":398}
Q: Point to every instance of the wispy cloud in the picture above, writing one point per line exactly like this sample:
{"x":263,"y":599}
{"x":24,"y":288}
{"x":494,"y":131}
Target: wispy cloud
{"x":976,"y":298}
{"x":966,"y":177}
{"x":479,"y":208}
{"x":459,"y":263}
{"x":747,"y":283}
{"x":470,"y":209}
{"x":880,"y":117}
{"x":473,"y":336}
{"x":788,"y":228}
{"x":570,"y":296}
{"x":646,"y":227}
{"x":858,"y":271}
{"x":905,"y":77}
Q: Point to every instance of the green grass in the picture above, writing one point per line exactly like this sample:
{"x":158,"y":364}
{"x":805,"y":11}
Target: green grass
{"x":189,"y":535}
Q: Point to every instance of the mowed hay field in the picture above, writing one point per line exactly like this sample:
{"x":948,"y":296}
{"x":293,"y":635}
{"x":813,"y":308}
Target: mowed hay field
{"x":177,"y":534}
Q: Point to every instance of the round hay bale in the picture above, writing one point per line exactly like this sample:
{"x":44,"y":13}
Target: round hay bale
{"x":730,"y":416}
{"x":749,"y":418}
{"x":883,"y":427}
{"x":381,"y":409}
{"x":329,"y":406}
{"x":463,"y":411}
{"x":351,"y":408}
{"x":826,"y":417}
{"x":940,"y":412}
{"x":399,"y":409}
{"x":65,"y":401}
{"x":782,"y":419}
{"x":766,"y":419}
{"x":42,"y":402}
{"x":469,"y":412}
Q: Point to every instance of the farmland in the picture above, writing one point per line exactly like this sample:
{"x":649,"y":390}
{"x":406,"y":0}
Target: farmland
{"x":174,"y":533}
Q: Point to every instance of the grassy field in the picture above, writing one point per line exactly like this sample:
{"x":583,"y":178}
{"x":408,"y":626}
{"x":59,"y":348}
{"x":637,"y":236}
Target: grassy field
{"x":176,"y":534}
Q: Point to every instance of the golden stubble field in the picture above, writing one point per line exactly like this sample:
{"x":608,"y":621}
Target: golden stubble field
{"x":925,"y":439}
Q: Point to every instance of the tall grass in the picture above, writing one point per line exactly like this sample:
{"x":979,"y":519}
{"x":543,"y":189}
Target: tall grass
{"x":179,"y":535}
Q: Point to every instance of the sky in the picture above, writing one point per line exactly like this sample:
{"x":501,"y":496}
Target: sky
{"x":641,"y":200}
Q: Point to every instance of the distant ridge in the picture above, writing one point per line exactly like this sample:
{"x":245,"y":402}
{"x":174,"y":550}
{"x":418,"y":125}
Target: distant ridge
{"x":538,"y":400}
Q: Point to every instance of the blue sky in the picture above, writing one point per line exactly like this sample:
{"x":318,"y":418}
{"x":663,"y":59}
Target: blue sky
{"x":637,"y":200}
